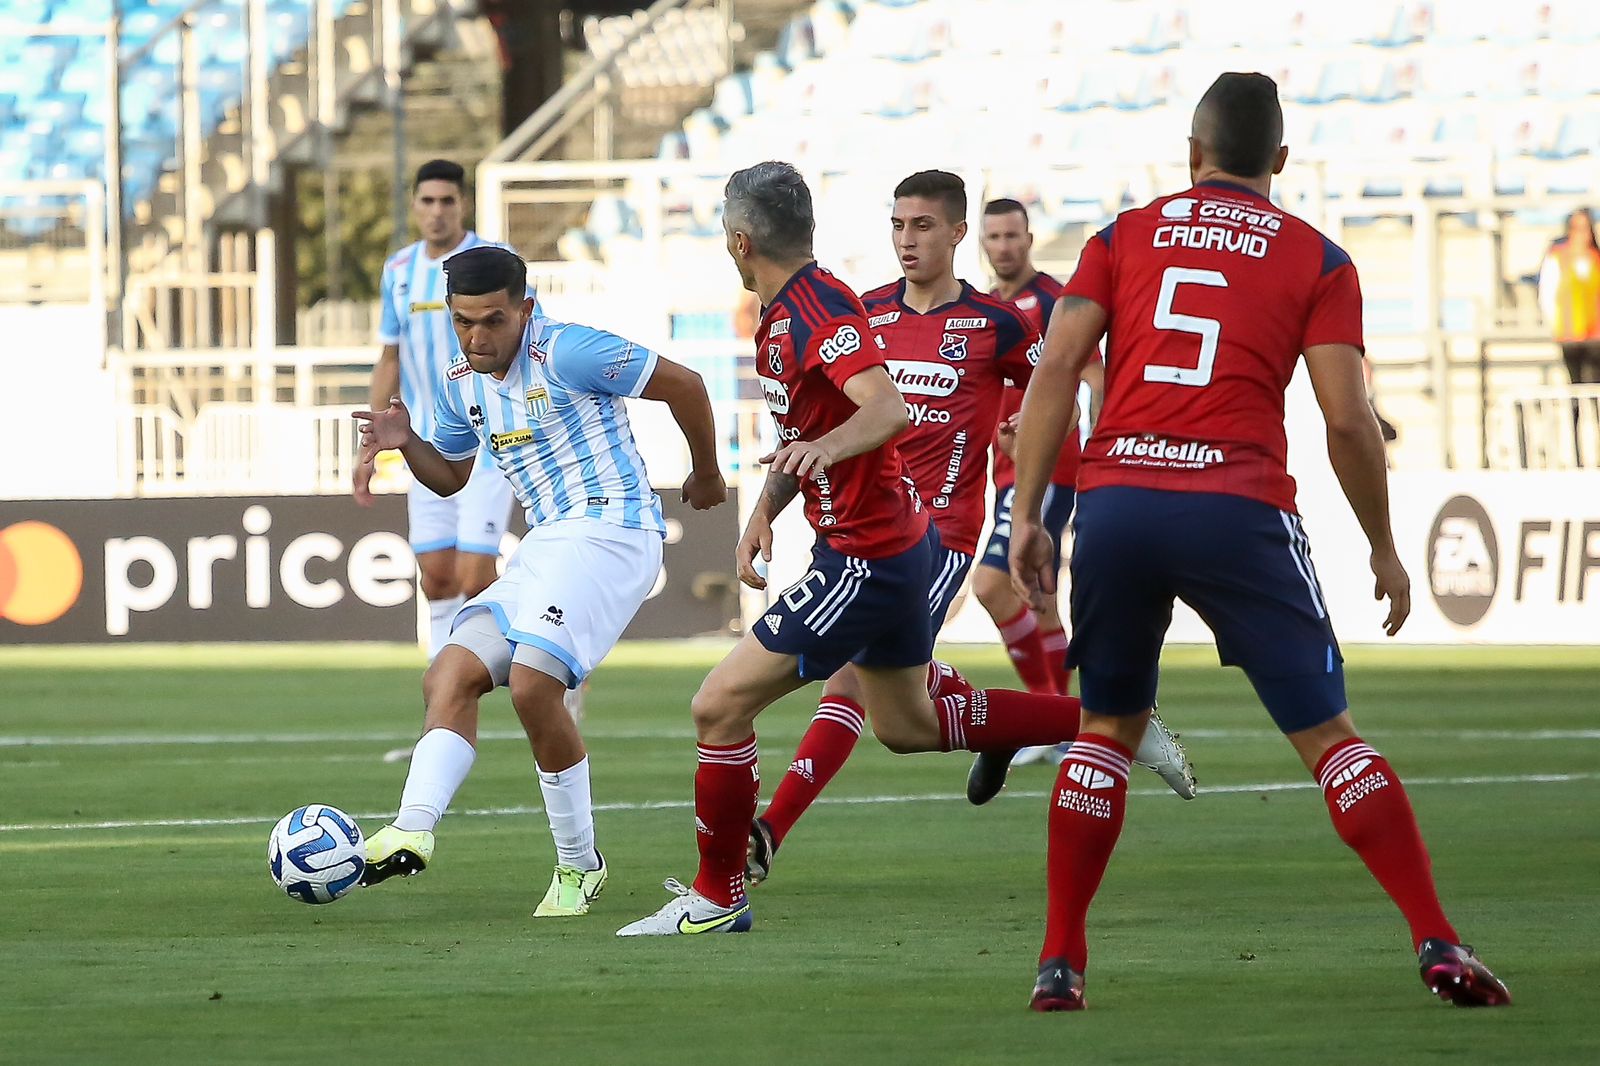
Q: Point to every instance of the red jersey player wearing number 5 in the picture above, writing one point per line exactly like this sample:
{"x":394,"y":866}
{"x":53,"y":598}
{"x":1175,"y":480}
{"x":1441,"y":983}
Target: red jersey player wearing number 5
{"x":1209,"y":298}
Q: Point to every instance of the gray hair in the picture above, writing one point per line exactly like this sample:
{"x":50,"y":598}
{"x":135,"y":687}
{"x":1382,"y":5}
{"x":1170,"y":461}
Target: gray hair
{"x":771,"y":204}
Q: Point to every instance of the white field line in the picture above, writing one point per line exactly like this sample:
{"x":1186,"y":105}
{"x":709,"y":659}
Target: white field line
{"x":119,"y":740}
{"x":843,"y":801}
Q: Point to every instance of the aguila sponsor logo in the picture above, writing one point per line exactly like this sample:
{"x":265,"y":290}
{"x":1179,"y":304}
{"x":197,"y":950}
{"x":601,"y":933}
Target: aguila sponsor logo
{"x":923,"y":379}
{"x":1150,"y":450}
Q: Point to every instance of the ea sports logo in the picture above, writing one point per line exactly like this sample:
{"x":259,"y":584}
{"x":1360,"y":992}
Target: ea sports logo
{"x":1463,"y":561}
{"x":41,"y":573}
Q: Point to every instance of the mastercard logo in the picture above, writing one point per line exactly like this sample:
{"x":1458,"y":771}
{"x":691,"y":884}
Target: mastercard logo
{"x":41,"y":573}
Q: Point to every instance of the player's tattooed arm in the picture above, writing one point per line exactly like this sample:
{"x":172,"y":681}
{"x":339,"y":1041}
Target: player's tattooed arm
{"x":754,"y":550}
{"x":777,"y":492}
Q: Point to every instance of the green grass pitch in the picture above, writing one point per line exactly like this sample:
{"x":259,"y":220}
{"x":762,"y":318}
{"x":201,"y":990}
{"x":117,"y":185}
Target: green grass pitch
{"x":900,"y":925}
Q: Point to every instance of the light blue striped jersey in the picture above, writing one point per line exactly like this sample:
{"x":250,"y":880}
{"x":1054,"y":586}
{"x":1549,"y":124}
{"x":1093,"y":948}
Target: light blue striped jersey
{"x":415,"y":318}
{"x":557,"y":425}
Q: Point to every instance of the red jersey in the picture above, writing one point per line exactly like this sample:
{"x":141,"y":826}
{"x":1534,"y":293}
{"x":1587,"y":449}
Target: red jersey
{"x":951,"y":365}
{"x":1210,"y":298}
{"x":1036,"y":300}
{"x":812,"y":339}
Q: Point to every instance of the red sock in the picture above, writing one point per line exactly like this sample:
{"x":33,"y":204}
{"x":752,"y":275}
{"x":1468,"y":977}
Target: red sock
{"x":1371,"y":813}
{"x":1021,"y":635}
{"x":829,"y":740}
{"x":943,"y":679}
{"x":1054,"y":643}
{"x":725,"y":786}
{"x":1086,"y":809}
{"x":994,"y":719}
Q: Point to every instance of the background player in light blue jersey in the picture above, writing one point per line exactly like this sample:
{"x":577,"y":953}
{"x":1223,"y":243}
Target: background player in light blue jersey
{"x":546,"y":398}
{"x":456,"y":539}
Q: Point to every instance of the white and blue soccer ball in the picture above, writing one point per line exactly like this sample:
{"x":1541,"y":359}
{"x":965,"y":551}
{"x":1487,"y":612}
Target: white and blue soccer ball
{"x":316,"y":853}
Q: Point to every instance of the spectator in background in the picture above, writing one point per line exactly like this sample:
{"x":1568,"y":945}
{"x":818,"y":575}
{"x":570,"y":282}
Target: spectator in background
{"x":1569,"y":296}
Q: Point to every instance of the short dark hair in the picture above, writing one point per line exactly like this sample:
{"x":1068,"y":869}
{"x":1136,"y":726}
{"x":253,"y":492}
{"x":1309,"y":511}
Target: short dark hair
{"x":939,"y":185}
{"x":441,"y":170}
{"x":485,"y":269}
{"x":1240,"y":123}
{"x":1007,"y":206}
{"x":771,"y":203}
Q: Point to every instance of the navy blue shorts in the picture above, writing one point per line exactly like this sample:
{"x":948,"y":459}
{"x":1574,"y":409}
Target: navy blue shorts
{"x":1245,"y":568}
{"x":1057,"y":509}
{"x":874,"y":612}
{"x":949,"y":571}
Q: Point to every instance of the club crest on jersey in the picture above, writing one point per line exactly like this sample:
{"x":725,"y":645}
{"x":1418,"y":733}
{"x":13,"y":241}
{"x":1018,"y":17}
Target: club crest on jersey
{"x":538,"y":400}
{"x":775,"y":357}
{"x":954,"y":346}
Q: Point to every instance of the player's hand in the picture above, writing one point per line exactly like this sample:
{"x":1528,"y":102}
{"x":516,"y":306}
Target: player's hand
{"x":383,"y":431}
{"x":802,"y":458}
{"x":361,"y":486}
{"x":704,"y":489}
{"x":1033,"y":557}
{"x":755,"y":544}
{"x":1006,"y":435}
{"x":1394,"y":585}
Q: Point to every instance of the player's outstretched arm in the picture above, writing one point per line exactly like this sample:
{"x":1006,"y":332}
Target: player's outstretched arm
{"x":779,"y":489}
{"x":385,"y":383}
{"x":390,"y":430}
{"x":880,"y":416}
{"x":1049,"y":412}
{"x":1355,"y":448}
{"x":684,"y":393}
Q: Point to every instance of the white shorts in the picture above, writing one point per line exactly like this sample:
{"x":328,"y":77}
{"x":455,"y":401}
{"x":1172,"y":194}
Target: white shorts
{"x":473,"y":520}
{"x":569,"y":591}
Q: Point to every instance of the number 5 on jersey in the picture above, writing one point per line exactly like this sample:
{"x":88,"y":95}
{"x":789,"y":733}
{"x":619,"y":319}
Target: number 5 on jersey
{"x":1209,"y":330}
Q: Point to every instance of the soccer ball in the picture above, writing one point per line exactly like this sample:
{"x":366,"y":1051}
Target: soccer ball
{"x":315,"y":853}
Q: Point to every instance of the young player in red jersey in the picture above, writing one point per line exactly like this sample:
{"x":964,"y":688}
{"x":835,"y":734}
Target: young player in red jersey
{"x":1210,"y":297}
{"x":1037,"y":644}
{"x":950,"y":350}
{"x":864,"y":601}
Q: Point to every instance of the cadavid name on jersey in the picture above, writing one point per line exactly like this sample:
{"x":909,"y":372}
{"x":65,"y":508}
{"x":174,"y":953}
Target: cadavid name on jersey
{"x":415,"y":317}
{"x":1211,"y":296}
{"x":951,"y":364}
{"x":557,"y":425}
{"x":813,"y":338}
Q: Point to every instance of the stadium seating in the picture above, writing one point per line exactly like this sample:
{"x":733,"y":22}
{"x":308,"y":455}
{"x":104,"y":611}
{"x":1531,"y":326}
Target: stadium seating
{"x":53,"y":89}
{"x":1014,"y":81}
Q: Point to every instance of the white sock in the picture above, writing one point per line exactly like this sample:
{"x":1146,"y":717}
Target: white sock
{"x":439,"y":763}
{"x":440,"y":614}
{"x":571,"y":814}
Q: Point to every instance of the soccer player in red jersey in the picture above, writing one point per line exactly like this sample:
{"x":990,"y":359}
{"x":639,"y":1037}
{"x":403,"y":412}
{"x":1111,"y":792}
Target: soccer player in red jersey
{"x":1037,"y":644}
{"x":865,"y":600}
{"x":1210,"y":297}
{"x":950,"y":350}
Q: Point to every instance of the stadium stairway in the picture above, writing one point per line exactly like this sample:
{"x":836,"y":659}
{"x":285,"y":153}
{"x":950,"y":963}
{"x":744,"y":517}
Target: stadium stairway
{"x":156,"y":223}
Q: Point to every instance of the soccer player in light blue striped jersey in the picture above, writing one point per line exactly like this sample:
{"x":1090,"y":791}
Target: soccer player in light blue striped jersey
{"x":456,"y":539}
{"x":546,"y":399}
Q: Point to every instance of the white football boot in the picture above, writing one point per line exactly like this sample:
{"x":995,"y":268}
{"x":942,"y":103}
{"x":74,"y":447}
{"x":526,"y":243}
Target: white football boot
{"x":1161,"y":752}
{"x":689,"y":913}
